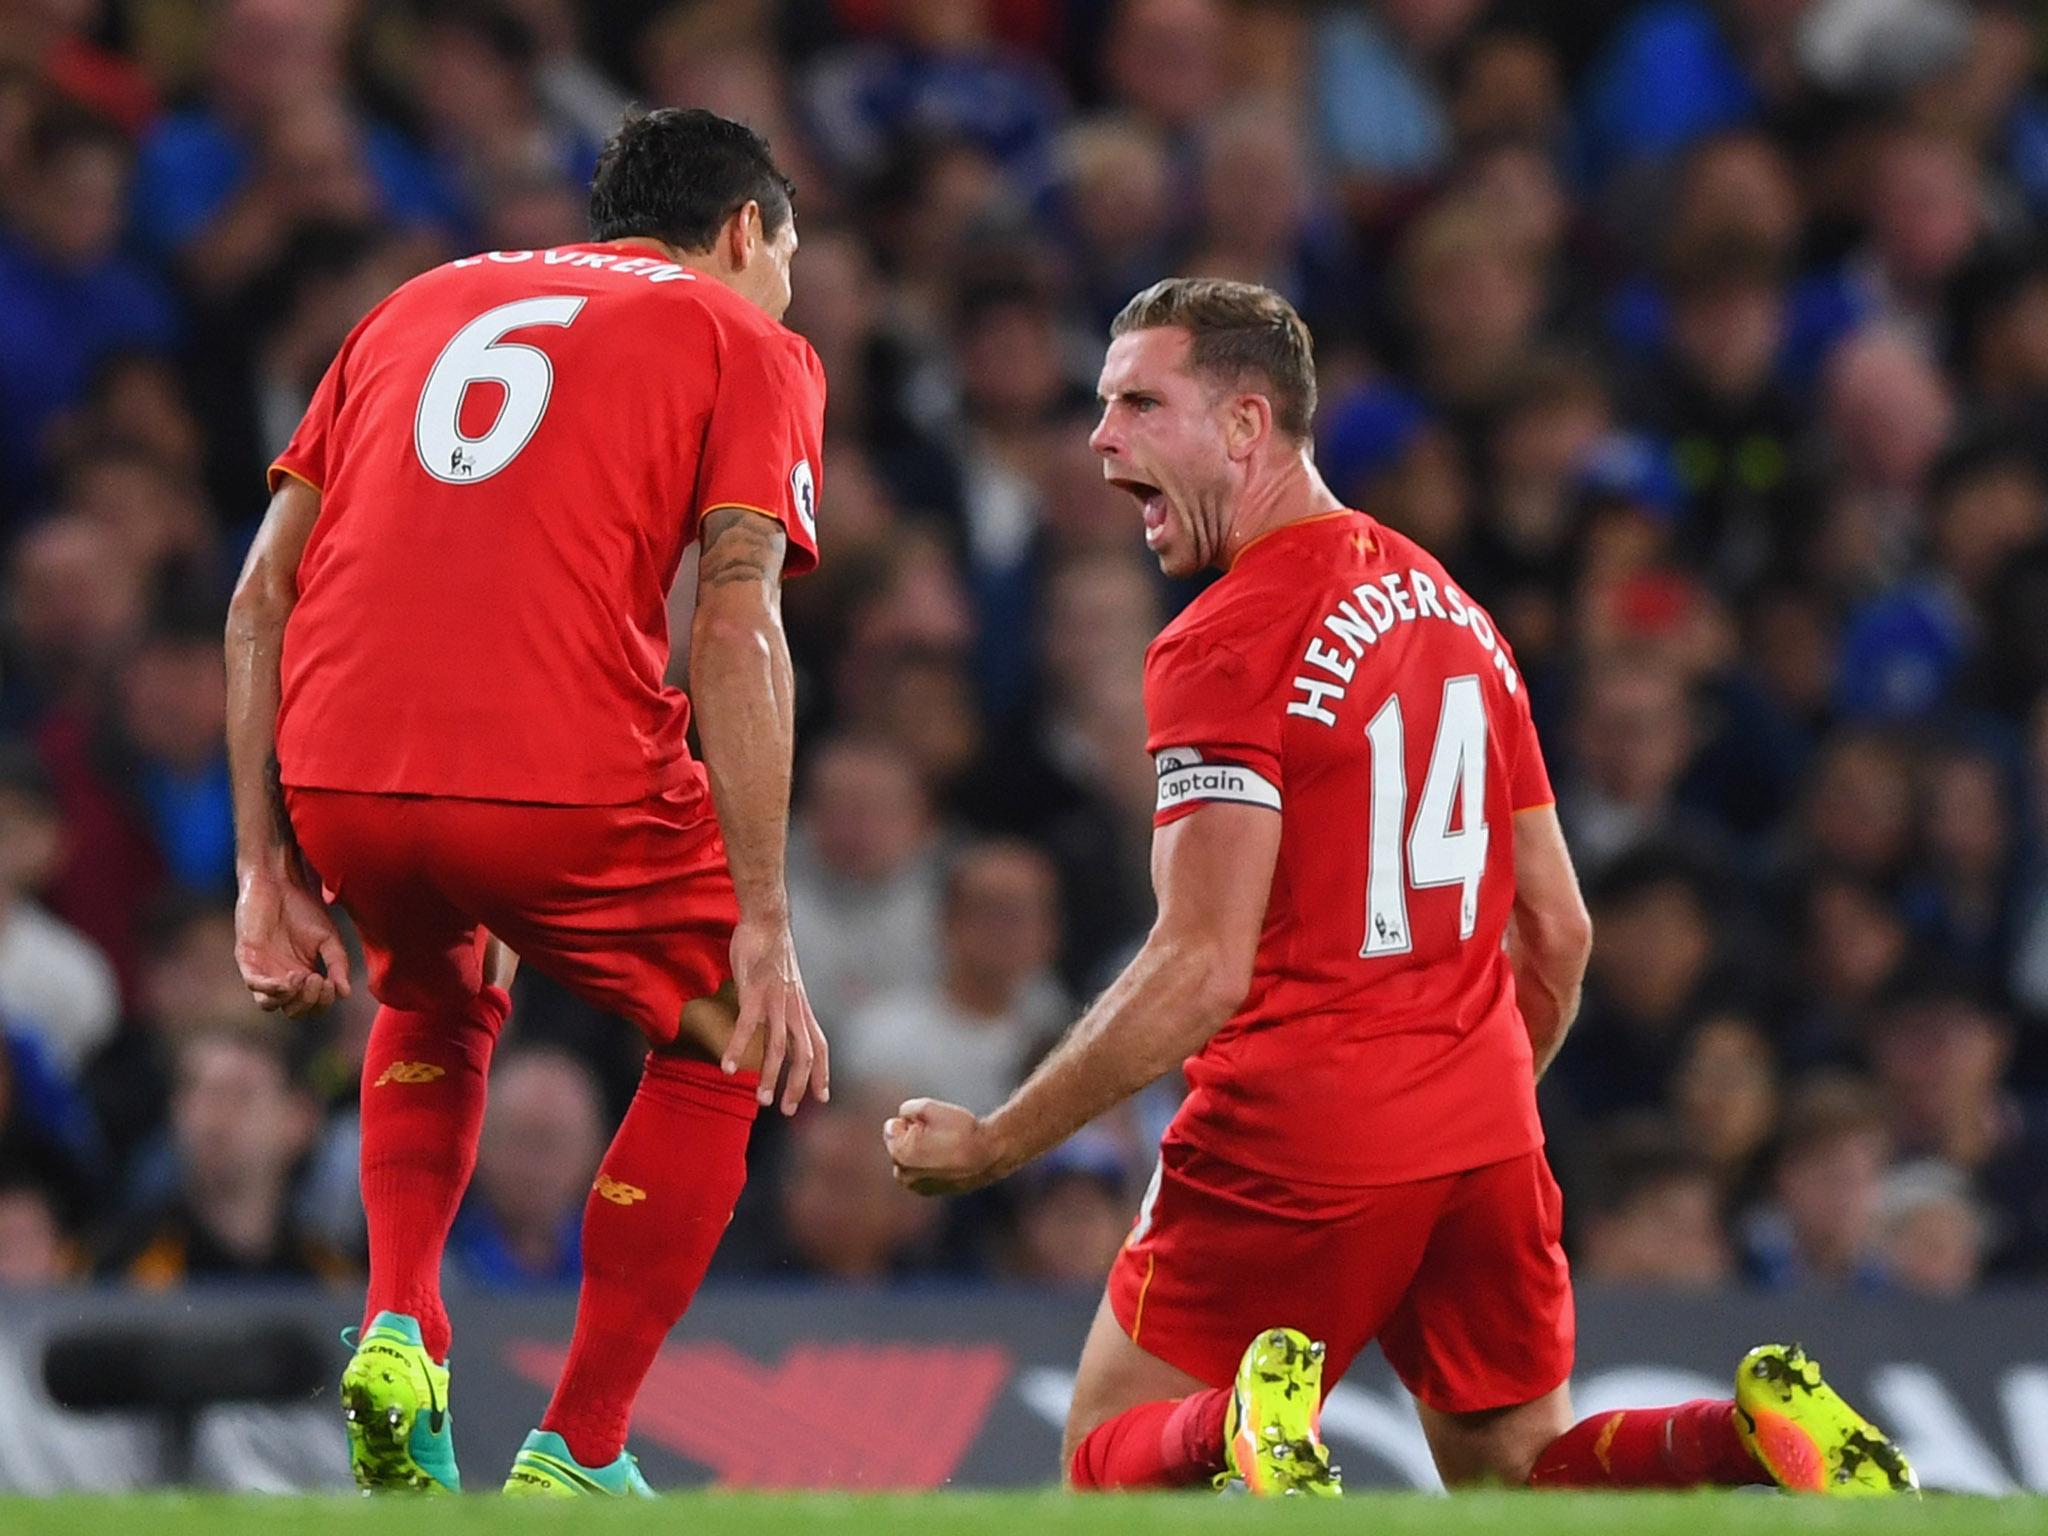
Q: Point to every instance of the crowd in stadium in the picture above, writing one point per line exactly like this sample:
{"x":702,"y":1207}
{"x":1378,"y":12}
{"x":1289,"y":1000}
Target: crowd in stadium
{"x":1705,"y":340}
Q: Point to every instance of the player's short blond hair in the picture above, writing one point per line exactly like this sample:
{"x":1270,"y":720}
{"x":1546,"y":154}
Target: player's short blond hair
{"x":1238,"y":331}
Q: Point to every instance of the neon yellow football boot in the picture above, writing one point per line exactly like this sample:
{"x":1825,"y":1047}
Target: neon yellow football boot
{"x":394,"y":1404}
{"x":1806,"y":1437}
{"x":545,"y":1469}
{"x":1271,"y":1441}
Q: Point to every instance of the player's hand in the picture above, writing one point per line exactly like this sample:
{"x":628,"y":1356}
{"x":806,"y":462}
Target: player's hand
{"x":940,"y":1149}
{"x":287,"y":947}
{"x":773,"y":1005}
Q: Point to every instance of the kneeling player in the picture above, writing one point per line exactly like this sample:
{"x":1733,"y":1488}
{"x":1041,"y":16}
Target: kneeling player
{"x":1370,"y":943}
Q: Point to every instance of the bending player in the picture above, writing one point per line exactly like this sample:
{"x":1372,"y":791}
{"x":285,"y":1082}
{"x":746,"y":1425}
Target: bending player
{"x":446,"y":660}
{"x":1369,"y":945}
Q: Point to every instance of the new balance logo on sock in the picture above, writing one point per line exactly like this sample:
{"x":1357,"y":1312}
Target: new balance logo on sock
{"x":410,"y":1072}
{"x":609,"y":1188}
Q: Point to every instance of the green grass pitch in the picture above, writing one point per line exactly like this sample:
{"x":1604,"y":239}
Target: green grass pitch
{"x":1511,"y":1514}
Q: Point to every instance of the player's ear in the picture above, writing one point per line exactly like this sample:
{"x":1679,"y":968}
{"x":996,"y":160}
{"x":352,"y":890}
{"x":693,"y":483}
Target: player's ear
{"x":1250,"y":424}
{"x":749,"y":233}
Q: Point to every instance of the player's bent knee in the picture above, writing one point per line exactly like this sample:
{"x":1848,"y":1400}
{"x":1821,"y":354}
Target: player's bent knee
{"x":706,"y":1027}
{"x":1497,"y":1447}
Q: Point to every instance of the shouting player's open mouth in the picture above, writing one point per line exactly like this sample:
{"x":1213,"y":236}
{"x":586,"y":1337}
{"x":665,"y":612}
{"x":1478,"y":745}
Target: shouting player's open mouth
{"x":1153,"y":500}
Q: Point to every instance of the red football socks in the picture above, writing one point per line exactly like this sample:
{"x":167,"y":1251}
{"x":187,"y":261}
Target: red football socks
{"x":1688,"y":1446}
{"x":422,"y":1111}
{"x":1176,"y":1444}
{"x":661,"y":1202}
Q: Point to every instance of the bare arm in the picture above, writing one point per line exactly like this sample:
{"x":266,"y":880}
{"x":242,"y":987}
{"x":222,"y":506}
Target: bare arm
{"x":1213,"y":872}
{"x":289,"y":951}
{"x":744,"y":696}
{"x":263,"y":601}
{"x":1550,"y":935}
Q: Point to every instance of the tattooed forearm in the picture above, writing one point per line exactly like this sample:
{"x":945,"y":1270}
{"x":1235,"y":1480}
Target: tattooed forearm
{"x":744,"y":700}
{"x":740,"y":546}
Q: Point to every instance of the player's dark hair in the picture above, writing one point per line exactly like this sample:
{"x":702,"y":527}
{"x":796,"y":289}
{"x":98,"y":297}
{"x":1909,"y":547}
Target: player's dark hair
{"x":678,"y":173}
{"x":1239,"y":332}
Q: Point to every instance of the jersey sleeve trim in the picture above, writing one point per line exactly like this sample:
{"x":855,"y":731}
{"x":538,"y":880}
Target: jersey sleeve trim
{"x":276,"y":470}
{"x":740,"y":506}
{"x":1540,"y":805}
{"x":1185,"y":779}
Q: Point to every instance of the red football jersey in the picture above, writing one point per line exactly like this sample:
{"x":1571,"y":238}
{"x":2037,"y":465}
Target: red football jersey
{"x":513,"y":451}
{"x":1337,"y":675}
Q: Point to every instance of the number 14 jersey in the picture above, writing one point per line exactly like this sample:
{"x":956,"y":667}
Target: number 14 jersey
{"x":1337,"y":676}
{"x":513,"y":451}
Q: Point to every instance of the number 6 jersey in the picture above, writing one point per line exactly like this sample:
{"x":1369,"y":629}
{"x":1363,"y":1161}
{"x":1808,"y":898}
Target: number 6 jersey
{"x":513,"y":451}
{"x":1337,"y":676}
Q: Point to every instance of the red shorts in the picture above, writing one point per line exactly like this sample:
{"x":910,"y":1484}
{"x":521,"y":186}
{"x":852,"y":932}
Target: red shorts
{"x":631,"y":907}
{"x":1462,"y":1278}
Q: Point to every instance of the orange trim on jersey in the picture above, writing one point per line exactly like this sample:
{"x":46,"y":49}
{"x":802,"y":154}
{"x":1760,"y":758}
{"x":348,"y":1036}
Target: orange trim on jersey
{"x":738,"y":506}
{"x":275,"y":470}
{"x":1547,"y":805}
{"x":1301,"y":522}
{"x":1138,"y":1312}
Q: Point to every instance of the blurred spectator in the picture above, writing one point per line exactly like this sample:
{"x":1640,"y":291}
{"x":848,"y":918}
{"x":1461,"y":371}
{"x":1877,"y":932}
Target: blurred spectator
{"x":1474,"y":298}
{"x":1821,"y":1227}
{"x":69,"y":298}
{"x":1904,"y":652}
{"x":240,"y":1124}
{"x":1722,"y":399}
{"x":969,"y":1036}
{"x":863,"y":877}
{"x":520,"y":1227}
{"x":1657,"y":1218}
{"x":1856,"y":947}
{"x":52,"y":39}
{"x":1935,"y":1234}
{"x":35,"y":1250}
{"x":1101,"y":841}
{"x":1261,"y":221}
{"x":172,"y":742}
{"x":154,"y":508}
{"x":1925,"y":215}
{"x":1650,"y":977}
{"x":1635,"y":734}
{"x":1166,"y":61}
{"x":1963,"y":906}
{"x":188,"y":985}
{"x":273,"y":145}
{"x":938,"y":71}
{"x":482,"y":102}
{"x":1940,"y":1058}
{"x":137,"y":399}
{"x":1116,"y":181}
{"x":1858,"y":816}
{"x":843,"y":1216}
{"x":1887,"y":413}
{"x":721,"y":55}
{"x":76,"y":599}
{"x":46,"y":1126}
{"x":2000,"y":330}
{"x":1678,"y":69}
{"x":576,"y":93}
{"x":1725,"y":1095}
{"x":52,"y":979}
{"x":1072,"y":1215}
{"x":1507,"y":82}
{"x":1380,"y":114}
